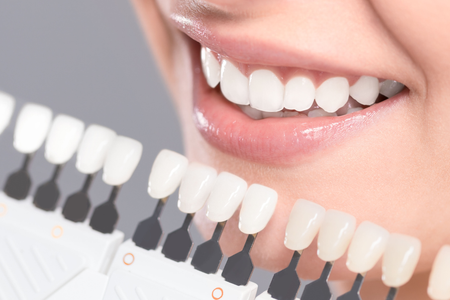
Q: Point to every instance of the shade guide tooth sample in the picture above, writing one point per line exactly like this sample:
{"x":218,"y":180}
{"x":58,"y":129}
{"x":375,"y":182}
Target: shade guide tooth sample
{"x":226,"y":196}
{"x":93,"y":148}
{"x":208,"y":255}
{"x":335,"y":235}
{"x":91,"y":156}
{"x":32,"y":126}
{"x":195,"y":187}
{"x":367,"y":247}
{"x":168,"y":169}
{"x":439,"y":283}
{"x":400,"y":259}
{"x":120,"y":163}
{"x":257,"y":209}
{"x":7,"y":104}
{"x":319,"y":289}
{"x":304,"y":223}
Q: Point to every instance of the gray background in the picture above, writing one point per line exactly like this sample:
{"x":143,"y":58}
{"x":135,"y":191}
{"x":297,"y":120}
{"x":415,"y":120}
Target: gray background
{"x":89,"y":59}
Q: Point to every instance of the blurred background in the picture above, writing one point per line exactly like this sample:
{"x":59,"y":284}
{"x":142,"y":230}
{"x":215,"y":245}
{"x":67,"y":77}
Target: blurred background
{"x":89,"y":59}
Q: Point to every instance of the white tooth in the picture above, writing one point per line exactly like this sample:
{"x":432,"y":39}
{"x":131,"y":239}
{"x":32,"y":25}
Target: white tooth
{"x":121,"y":160}
{"x":332,"y":94}
{"x":225,"y":197}
{"x":93,"y":148}
{"x":299,"y":94}
{"x":335,"y":234}
{"x":211,"y":67}
{"x":233,"y":84}
{"x":367,"y":246}
{"x":390,"y":88}
{"x":195,"y":187}
{"x":257,"y":208}
{"x":7,"y":104}
{"x":167,"y":171}
{"x":277,"y":114}
{"x":304,"y":223}
{"x":353,"y":109}
{"x":365,"y":90}
{"x":63,"y":139}
{"x":32,"y":127}
{"x":251,"y":112}
{"x":266,"y":91}
{"x":439,"y":284}
{"x":400,"y":259}
{"x":320,"y":113}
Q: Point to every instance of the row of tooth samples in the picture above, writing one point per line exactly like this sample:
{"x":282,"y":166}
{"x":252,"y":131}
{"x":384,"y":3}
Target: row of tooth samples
{"x":222,"y":194}
{"x":98,"y":147}
{"x":264,"y":91}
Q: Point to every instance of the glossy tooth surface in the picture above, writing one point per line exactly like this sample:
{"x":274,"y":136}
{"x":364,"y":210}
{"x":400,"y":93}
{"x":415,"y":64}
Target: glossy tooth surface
{"x":63,"y":139}
{"x":299,"y":94}
{"x":195,"y":187}
{"x":251,"y":112}
{"x":7,"y":104}
{"x":257,"y":208}
{"x":439,"y":284}
{"x":320,"y":113}
{"x":367,"y":246}
{"x":266,"y":91}
{"x":93,"y":148}
{"x":211,"y":67}
{"x":335,"y":234}
{"x":32,"y":127}
{"x":233,"y":84}
{"x":226,"y":196}
{"x":365,"y":90}
{"x":167,"y":171}
{"x":390,"y":88}
{"x":304,"y":223}
{"x":332,"y":94}
{"x":400,"y":259}
{"x":121,"y":160}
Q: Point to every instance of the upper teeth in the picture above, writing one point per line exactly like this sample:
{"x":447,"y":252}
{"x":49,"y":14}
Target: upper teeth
{"x":264,"y":91}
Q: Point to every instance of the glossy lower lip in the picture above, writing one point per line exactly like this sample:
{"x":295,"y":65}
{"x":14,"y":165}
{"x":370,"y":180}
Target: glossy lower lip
{"x":273,"y":141}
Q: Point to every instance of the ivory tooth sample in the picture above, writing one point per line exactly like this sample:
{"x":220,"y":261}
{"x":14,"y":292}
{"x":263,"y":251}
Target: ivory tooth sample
{"x":91,"y":156}
{"x":167,"y":171}
{"x":367,"y":247}
{"x":439,"y":284}
{"x":32,"y":127}
{"x":257,"y":209}
{"x":335,"y":235}
{"x":121,"y":160}
{"x":304,"y":223}
{"x":226,"y":196}
{"x":62,"y":142}
{"x":399,"y":261}
{"x":7,"y":104}
{"x":195,"y":188}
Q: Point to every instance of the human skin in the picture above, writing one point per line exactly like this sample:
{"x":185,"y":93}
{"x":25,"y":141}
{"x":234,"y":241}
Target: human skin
{"x":393,"y":172}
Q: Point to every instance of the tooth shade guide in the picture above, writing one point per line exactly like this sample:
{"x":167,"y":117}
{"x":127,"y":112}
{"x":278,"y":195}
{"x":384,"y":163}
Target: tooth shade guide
{"x":18,"y":184}
{"x":105,"y":216}
{"x":239,"y":267}
{"x":286,"y":283}
{"x":208,"y":256}
{"x":439,"y":282}
{"x":77,"y":205}
{"x":47,"y":195}
{"x":319,"y":289}
{"x":178,"y":244}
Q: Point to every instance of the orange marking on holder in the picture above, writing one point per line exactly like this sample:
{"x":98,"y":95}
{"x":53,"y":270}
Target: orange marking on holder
{"x":57,"y":232}
{"x":125,"y":259}
{"x":217,"y":297}
{"x":3,"y":209}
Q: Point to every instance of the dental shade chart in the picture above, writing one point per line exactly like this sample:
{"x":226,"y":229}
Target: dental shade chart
{"x":257,"y":209}
{"x":120,"y":163}
{"x":96,"y":142}
{"x":167,"y":171}
{"x":62,"y":142}
{"x":335,"y":235}
{"x":31,"y":129}
{"x":226,"y":196}
{"x":304,"y":224}
{"x":439,"y":283}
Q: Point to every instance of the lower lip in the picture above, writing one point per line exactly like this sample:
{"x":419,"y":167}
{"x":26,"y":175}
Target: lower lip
{"x":274,"y":141}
